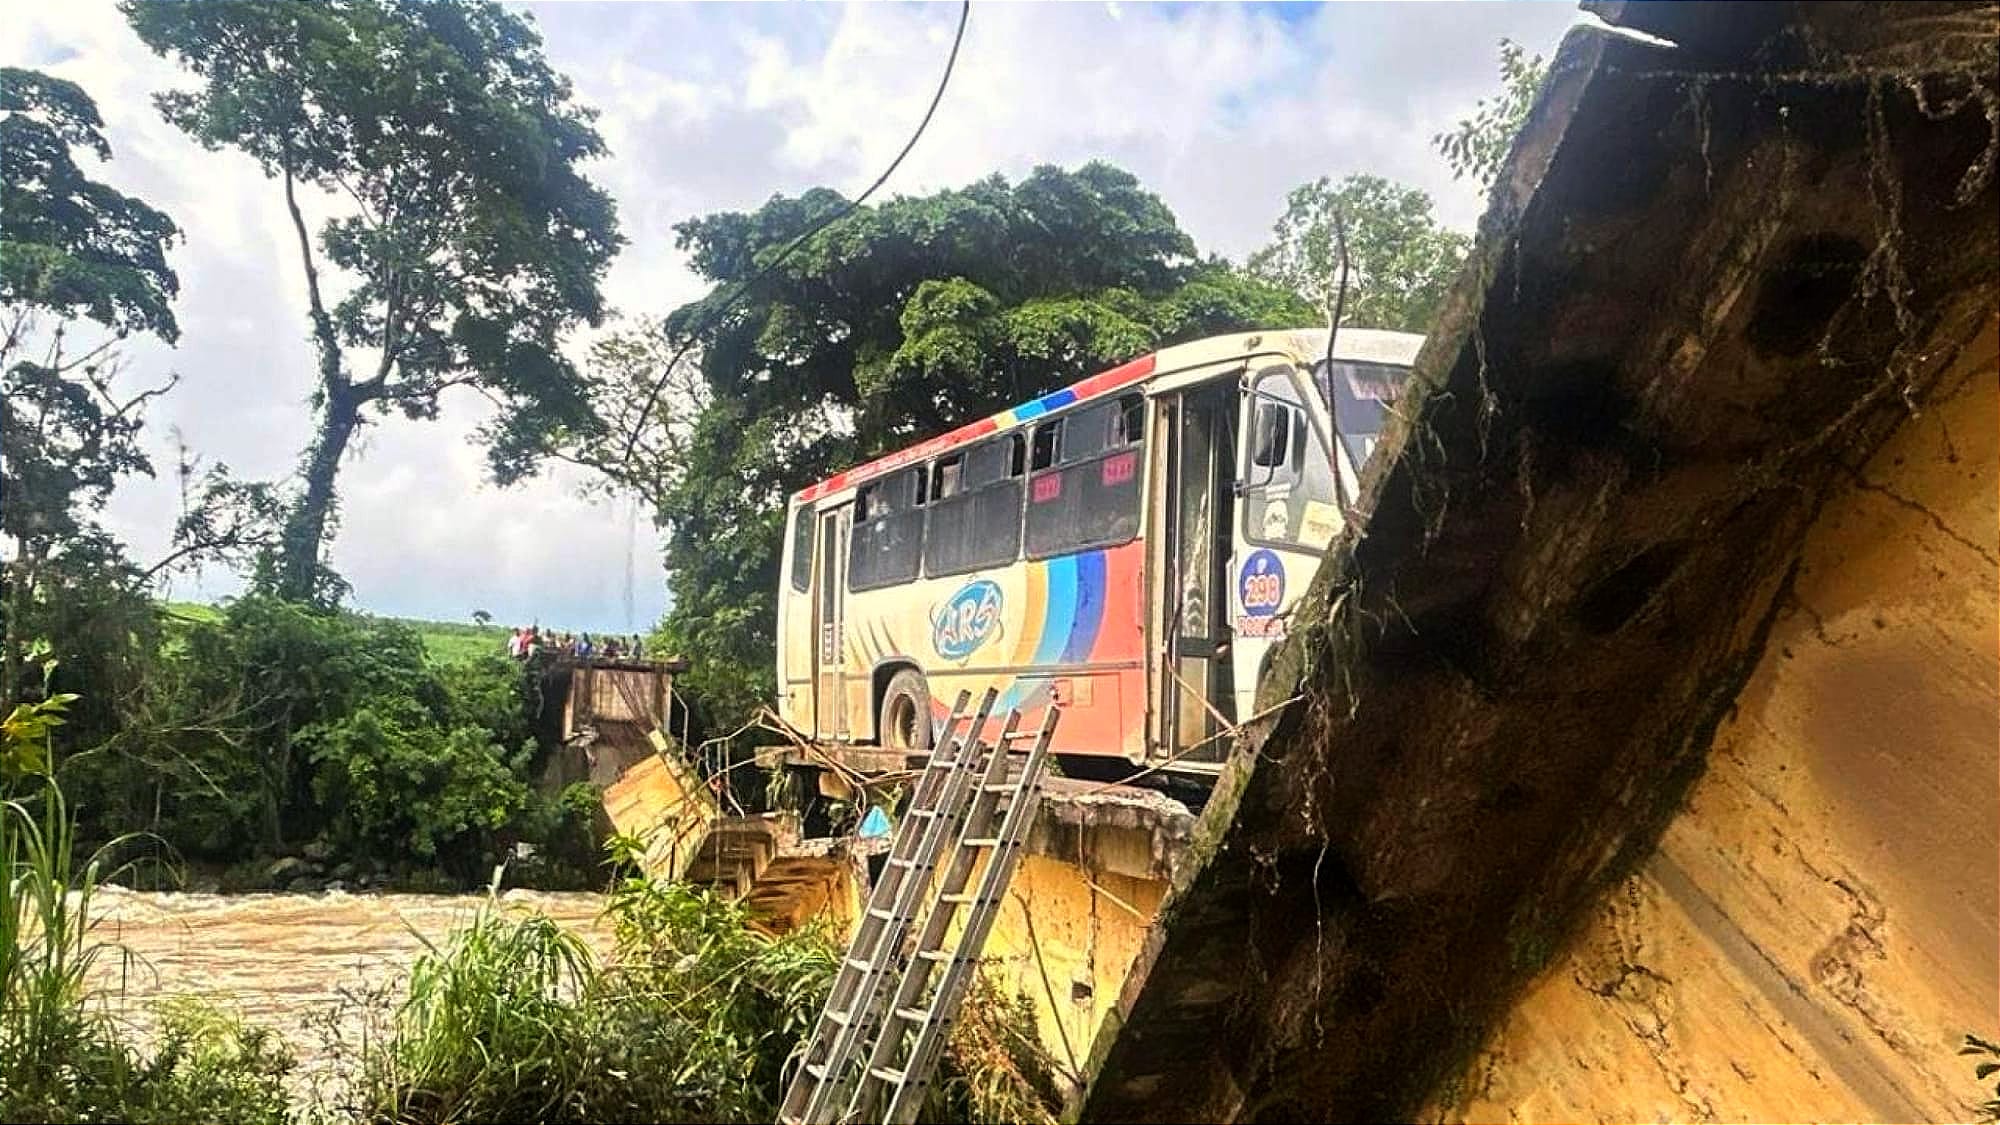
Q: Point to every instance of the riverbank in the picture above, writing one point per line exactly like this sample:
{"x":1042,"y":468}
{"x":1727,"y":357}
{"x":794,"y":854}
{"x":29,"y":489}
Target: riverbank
{"x":308,"y":967}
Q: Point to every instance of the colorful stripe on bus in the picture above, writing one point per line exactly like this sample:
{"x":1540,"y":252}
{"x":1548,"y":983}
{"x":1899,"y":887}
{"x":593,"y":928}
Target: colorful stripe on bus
{"x":1076,"y":611}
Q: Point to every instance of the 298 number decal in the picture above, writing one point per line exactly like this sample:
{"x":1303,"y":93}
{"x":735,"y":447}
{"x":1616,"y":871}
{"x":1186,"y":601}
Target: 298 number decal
{"x":1261,"y":586}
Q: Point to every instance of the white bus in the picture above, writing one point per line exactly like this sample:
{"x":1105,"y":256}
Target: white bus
{"x":1128,"y":548}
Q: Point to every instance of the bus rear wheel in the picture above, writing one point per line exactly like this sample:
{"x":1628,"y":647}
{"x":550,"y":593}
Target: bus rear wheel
{"x":905,"y":721}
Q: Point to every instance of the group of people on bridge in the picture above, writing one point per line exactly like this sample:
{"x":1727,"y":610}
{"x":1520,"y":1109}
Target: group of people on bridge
{"x":529,"y":641}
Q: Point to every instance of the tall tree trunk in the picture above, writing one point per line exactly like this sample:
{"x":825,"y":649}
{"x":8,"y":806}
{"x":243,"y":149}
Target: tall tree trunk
{"x":305,"y":527}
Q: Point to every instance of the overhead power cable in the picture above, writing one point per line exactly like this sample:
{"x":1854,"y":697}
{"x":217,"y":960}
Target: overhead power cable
{"x":693,"y":332}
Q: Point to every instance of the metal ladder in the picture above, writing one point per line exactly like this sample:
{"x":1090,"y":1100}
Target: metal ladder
{"x":873,"y":1051}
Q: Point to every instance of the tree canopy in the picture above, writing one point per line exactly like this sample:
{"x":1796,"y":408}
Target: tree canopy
{"x":69,"y":244}
{"x":1400,"y":260}
{"x":71,"y":249}
{"x":900,"y":321}
{"x":469,"y":237}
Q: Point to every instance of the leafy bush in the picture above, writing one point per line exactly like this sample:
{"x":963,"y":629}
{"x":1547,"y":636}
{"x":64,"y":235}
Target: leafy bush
{"x":564,"y":828}
{"x":273,"y":725}
{"x":388,"y":781}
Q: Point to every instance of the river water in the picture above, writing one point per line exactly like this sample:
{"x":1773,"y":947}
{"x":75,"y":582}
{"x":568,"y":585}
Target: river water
{"x":291,"y":961}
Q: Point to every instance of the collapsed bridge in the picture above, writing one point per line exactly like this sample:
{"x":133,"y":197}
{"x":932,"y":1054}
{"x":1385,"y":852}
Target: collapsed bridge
{"x":1702,"y":447}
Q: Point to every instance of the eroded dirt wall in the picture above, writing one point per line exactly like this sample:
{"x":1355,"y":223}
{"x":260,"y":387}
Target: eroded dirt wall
{"x":1820,"y":924}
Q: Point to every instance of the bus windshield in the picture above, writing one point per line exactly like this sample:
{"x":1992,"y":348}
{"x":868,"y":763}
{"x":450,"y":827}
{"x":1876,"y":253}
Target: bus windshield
{"x":1359,"y":394}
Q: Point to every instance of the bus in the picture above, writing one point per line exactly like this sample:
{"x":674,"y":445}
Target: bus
{"x":1128,"y":549}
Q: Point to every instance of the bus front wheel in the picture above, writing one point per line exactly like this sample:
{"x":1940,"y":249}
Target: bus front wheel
{"x":905,"y":722}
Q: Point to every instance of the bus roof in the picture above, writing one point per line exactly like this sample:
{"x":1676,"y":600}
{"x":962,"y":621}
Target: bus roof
{"x":1367,"y":345}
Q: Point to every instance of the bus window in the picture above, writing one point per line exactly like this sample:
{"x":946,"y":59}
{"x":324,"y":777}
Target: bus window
{"x":886,"y":546}
{"x":1048,"y":441}
{"x":1361,"y":395}
{"x":802,"y":548}
{"x":1092,"y":499}
{"x":1131,"y":421}
{"x":947,"y":477}
{"x":981,"y":526}
{"x":1287,"y":479}
{"x":993,"y":461}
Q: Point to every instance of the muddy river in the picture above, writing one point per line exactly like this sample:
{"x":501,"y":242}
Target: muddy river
{"x":288,"y":961}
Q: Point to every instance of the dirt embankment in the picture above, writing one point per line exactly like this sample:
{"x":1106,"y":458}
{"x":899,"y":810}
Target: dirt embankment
{"x":1819,"y":925}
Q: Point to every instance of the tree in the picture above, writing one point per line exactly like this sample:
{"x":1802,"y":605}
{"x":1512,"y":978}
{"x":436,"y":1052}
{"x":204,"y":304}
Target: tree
{"x":72,"y":250}
{"x":900,"y":321}
{"x":1479,"y":144}
{"x":70,"y":245}
{"x":481,"y":618}
{"x":1400,"y":261}
{"x":470,"y":240}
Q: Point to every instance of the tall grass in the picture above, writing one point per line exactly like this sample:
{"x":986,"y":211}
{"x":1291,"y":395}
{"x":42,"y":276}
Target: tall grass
{"x":694,"y":1019}
{"x":62,"y":1058}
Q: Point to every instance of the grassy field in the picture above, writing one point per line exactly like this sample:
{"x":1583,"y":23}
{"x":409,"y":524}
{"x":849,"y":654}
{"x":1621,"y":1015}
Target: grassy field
{"x":447,"y":642}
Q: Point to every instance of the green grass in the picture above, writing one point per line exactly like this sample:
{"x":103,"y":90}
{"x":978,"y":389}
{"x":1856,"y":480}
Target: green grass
{"x":447,"y":642}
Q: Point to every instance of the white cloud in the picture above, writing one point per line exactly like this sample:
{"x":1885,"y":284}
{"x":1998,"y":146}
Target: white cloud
{"x":1219,"y":108}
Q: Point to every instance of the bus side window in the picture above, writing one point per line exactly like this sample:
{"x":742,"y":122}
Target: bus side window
{"x":1048,"y":444}
{"x":979,"y":525}
{"x":1087,"y":494}
{"x":802,"y":548}
{"x":947,"y":477}
{"x":1287,"y":477}
{"x":886,"y":544}
{"x":1131,"y":420}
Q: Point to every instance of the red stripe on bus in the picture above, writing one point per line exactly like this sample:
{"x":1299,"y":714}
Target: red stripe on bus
{"x":1123,"y":375}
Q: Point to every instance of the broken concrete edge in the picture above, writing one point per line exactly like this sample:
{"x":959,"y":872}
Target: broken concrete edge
{"x":1324,"y":610}
{"x":1675,"y":734}
{"x":1114,"y":829}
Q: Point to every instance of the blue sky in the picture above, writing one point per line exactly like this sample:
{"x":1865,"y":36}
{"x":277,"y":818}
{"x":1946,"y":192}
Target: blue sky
{"x":1221,"y":109}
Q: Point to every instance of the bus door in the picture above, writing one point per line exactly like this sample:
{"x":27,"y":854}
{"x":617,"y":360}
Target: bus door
{"x":829,"y":600}
{"x":1288,"y":517}
{"x":1197,"y":690}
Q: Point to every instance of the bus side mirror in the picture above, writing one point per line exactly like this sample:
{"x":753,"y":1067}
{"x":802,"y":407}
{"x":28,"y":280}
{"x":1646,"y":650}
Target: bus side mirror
{"x":1271,"y":435}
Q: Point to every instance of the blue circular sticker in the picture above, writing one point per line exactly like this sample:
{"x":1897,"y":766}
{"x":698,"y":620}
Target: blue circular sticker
{"x":1261,"y":586}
